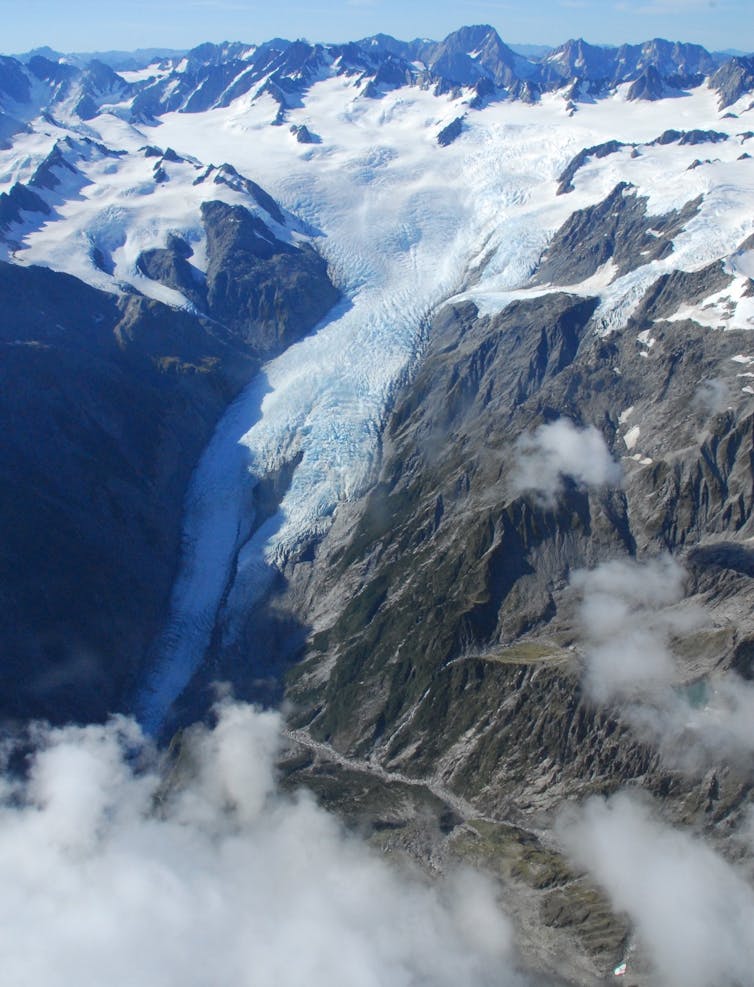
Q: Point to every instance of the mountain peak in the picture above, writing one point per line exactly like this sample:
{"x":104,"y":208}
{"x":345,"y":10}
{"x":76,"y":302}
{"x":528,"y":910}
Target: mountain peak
{"x":472,"y":34}
{"x":473,"y":53}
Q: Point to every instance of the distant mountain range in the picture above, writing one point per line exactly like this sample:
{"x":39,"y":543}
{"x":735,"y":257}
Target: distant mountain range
{"x":155,"y":81}
{"x":124,"y":61}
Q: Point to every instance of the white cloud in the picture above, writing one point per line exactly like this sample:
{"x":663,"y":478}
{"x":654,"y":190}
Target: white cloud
{"x":554,"y":451}
{"x":107,"y":875}
{"x":693,"y":912}
{"x":629,"y":613}
{"x":717,"y":729}
{"x":626,"y":625}
{"x":711,"y":397}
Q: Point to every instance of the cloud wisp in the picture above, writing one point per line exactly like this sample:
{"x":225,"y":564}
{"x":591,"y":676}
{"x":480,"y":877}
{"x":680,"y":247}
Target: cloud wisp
{"x":558,"y":450}
{"x":630,"y":614}
{"x":627,"y":618}
{"x":110,"y":875}
{"x":692,"y":910}
{"x":712,"y":397}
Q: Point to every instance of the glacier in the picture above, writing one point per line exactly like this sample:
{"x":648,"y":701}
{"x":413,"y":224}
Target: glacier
{"x":404,"y":225}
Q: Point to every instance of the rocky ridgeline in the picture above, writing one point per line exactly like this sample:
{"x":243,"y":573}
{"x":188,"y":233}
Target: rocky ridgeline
{"x":473,"y":58}
{"x":444,"y":645}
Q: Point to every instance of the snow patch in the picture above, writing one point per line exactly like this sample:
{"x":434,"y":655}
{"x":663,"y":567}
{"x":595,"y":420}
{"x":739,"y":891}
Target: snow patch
{"x":632,"y":437}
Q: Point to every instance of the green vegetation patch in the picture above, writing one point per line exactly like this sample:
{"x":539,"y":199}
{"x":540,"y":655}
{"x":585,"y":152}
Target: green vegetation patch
{"x":513,"y":854}
{"x":567,"y":900}
{"x":527,"y":653}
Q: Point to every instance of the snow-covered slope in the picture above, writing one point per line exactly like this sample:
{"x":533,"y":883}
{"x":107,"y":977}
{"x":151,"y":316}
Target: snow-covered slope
{"x":404,"y":224}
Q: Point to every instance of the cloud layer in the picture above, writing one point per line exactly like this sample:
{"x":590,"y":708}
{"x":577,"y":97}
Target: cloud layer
{"x":692,"y":909}
{"x":108,"y":875}
{"x":627,"y":620}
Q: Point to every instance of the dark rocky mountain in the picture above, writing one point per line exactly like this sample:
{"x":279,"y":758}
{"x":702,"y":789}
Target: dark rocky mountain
{"x":617,"y":230}
{"x":266,"y":291}
{"x":500,"y":561}
{"x":667,"y":58}
{"x":446,"y":650}
{"x":650,"y":85}
{"x":120,"y":61}
{"x":14,"y":89}
{"x":450,"y":133}
{"x":583,"y":157}
{"x":84,"y":88}
{"x":55,"y":177}
{"x":111,"y":401}
{"x":578,"y":60}
{"x":20,"y":199}
{"x":733,"y":79}
{"x":656,"y":69}
{"x":99,"y":83}
{"x":14,"y":82}
{"x":473,"y":53}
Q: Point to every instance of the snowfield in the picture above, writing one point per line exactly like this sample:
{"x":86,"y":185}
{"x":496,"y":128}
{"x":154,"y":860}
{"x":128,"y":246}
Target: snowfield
{"x":404,"y":225}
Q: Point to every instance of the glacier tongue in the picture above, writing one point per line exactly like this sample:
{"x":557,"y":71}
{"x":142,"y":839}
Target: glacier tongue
{"x":405,"y":224}
{"x":397,"y":245}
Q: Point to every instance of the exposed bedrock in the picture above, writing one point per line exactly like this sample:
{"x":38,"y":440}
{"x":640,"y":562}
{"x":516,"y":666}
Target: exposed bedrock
{"x":444,"y":644}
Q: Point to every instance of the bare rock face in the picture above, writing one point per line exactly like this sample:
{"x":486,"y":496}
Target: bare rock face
{"x":170,"y":266}
{"x":439,"y":643}
{"x":111,"y":404}
{"x":450,"y":133}
{"x":20,"y":199}
{"x":304,"y":135}
{"x":446,"y":560}
{"x":579,"y":160}
{"x":617,"y":229}
{"x":649,"y":85}
{"x":733,"y":80}
{"x":268,"y":291}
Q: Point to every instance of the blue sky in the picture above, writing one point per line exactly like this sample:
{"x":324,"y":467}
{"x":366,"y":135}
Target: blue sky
{"x":85,"y":25}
